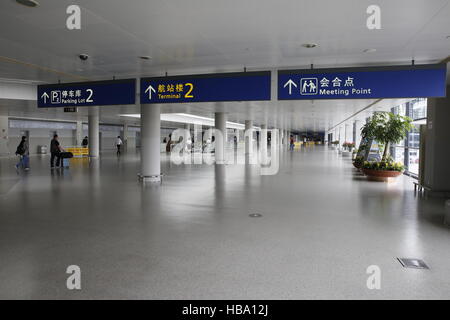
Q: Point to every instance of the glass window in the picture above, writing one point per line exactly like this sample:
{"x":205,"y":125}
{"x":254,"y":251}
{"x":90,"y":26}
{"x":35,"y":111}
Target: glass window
{"x":414,"y":138}
{"x":407,"y":151}
{"x":399,"y":154}
{"x":413,"y":165}
{"x":418,"y":109}
{"x":401,"y":109}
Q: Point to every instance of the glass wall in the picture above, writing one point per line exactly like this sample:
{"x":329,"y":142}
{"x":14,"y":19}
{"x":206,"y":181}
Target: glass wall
{"x":407,"y":151}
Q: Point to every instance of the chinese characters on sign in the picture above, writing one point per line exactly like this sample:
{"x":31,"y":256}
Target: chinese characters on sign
{"x":95,"y":93}
{"x":171,"y":91}
{"x":244,"y":86}
{"x":363,"y":83}
{"x":310,"y":86}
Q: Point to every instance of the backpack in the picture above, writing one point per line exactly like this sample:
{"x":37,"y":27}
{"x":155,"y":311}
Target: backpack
{"x":20,"y":149}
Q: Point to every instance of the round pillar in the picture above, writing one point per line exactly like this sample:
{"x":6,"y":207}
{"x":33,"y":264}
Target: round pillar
{"x":150,"y":142}
{"x":221,"y":137}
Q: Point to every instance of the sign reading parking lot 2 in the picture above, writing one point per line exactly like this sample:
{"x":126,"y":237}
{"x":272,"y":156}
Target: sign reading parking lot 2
{"x":242,"y":86}
{"x":363,"y":83}
{"x":96,"y":93}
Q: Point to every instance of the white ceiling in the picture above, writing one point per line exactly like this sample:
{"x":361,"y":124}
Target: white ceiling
{"x":199,"y":36}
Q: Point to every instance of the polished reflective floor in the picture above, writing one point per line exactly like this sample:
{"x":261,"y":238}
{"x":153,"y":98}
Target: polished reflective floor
{"x":322,"y":225}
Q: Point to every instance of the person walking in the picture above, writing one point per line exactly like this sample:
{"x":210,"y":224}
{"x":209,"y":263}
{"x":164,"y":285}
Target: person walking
{"x":118,"y":144}
{"x":55,"y":150}
{"x":291,"y":143}
{"x":23,"y":152}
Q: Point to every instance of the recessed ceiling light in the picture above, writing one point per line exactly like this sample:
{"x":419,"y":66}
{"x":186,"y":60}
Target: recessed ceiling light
{"x":28,"y":3}
{"x":145,"y":57}
{"x":369,"y":50}
{"x":309,"y":45}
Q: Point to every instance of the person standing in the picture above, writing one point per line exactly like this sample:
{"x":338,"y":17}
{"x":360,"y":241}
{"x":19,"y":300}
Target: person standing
{"x":118,"y":144}
{"x":85,"y":142}
{"x":23,"y":152}
{"x":55,"y":150}
{"x":291,"y":143}
{"x":169,"y":144}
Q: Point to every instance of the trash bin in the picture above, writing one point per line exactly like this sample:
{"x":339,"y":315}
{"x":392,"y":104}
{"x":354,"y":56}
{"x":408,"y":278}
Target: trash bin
{"x":447,"y":213}
{"x":42,"y":149}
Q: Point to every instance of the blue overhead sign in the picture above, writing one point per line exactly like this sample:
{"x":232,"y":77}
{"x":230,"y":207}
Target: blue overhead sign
{"x":97,"y":93}
{"x":363,"y":83}
{"x":243,"y":86}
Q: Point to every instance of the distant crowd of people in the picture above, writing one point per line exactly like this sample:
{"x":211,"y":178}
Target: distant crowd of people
{"x":57,"y":152}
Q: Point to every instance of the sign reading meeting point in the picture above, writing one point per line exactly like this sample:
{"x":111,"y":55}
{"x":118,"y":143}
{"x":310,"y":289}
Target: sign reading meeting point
{"x":363,"y":83}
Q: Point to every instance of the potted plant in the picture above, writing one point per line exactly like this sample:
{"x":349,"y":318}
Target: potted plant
{"x":358,"y":158}
{"x":382,"y":170}
{"x":334,"y":144}
{"x":358,"y":162}
{"x":386,"y":128}
{"x":348,"y":146}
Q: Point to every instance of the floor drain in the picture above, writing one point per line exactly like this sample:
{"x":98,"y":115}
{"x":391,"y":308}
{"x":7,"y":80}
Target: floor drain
{"x":255,"y":215}
{"x":413,"y":263}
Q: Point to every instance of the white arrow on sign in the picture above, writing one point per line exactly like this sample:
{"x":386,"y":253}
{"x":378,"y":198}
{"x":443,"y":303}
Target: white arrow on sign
{"x":290,"y":83}
{"x":45,"y":96}
{"x":150,"y":89}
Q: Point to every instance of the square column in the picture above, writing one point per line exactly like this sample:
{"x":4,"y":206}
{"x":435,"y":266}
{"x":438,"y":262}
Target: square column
{"x":94,"y":132}
{"x":198,"y":136}
{"x":4,"y":125}
{"x":358,"y":126}
{"x":79,"y":133}
{"x":125,"y":136}
{"x":436,"y":171}
{"x":348,"y":133}
{"x":263,"y":144}
{"x":248,"y":137}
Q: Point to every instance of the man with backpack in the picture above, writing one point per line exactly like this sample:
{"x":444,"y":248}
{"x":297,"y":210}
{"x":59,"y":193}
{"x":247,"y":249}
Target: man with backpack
{"x":24,"y":153}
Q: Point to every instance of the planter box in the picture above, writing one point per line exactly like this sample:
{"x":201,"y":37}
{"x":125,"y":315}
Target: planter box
{"x":380,"y":175}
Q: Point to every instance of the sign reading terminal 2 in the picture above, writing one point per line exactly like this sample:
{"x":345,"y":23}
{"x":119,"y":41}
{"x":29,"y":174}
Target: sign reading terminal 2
{"x":242,"y":86}
{"x":97,"y":93}
{"x":363,"y":83}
